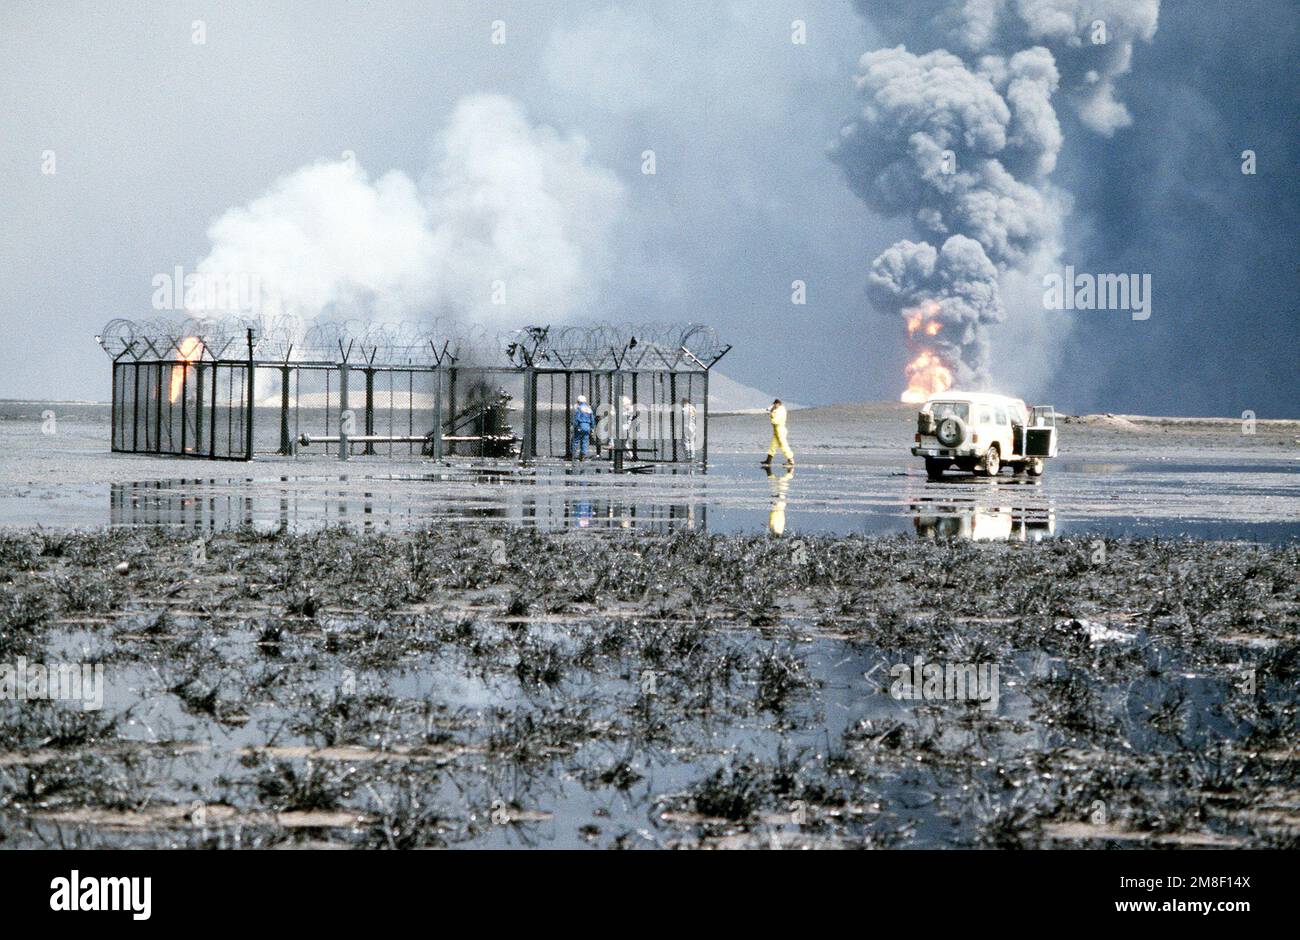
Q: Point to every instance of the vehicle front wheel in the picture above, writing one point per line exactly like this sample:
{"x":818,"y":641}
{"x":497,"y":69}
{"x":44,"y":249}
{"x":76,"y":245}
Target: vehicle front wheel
{"x":934,"y":467}
{"x":1035,"y":468}
{"x":992,"y":462}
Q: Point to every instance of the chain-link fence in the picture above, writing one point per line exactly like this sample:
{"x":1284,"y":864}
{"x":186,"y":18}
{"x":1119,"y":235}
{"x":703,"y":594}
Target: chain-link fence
{"x":236,"y":389}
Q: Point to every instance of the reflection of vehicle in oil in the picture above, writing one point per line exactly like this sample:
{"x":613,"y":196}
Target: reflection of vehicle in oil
{"x":982,"y":523}
{"x":983,"y":432}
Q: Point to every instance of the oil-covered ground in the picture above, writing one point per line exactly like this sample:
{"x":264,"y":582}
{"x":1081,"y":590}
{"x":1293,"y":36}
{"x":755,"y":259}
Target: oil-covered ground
{"x":501,"y":686}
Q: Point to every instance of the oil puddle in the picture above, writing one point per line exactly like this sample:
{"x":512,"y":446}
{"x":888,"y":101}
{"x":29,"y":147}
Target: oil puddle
{"x":832,"y":496}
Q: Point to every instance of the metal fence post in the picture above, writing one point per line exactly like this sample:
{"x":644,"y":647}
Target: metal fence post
{"x":157,"y":409}
{"x":135,"y":407}
{"x":370,"y":411}
{"x":437,"y":413}
{"x":286,"y":447}
{"x":528,"y":448}
{"x":198,"y":407}
{"x":112,"y":413}
{"x":344,"y":447}
{"x":568,"y":415}
{"x":672,"y":415}
{"x":617,"y":443}
{"x":212,"y":412}
{"x":248,"y":419}
{"x":704,"y":444}
{"x":185,"y":376}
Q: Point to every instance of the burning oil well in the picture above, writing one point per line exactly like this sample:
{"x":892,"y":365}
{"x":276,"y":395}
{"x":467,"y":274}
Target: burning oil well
{"x":959,"y":130}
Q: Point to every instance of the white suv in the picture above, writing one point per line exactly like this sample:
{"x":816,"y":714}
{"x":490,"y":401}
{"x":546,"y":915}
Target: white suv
{"x":983,"y":432}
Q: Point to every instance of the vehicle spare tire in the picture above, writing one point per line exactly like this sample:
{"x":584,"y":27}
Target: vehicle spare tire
{"x":951,"y":431}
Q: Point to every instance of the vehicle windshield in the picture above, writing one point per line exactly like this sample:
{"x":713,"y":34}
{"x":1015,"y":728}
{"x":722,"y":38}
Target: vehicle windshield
{"x":950,"y":409}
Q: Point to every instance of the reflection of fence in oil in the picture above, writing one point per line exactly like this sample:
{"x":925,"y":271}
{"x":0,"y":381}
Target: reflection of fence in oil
{"x":296,"y":505}
{"x":578,"y":511}
{"x":157,"y":503}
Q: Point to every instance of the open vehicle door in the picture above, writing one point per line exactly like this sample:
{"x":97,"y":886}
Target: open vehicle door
{"x":1040,"y":435}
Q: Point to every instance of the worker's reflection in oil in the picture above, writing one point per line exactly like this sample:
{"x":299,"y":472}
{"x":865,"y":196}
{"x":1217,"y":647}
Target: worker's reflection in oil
{"x":779,"y":483}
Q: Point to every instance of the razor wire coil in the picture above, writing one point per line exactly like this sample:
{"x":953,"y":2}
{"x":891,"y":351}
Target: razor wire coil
{"x":287,"y":339}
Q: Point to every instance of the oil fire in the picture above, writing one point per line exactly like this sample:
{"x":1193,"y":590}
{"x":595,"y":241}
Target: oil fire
{"x":926,"y":376}
{"x":189,"y":351}
{"x":926,"y":373}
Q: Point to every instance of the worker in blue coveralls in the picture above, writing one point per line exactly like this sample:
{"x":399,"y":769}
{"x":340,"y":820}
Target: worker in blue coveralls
{"x":584,"y":419}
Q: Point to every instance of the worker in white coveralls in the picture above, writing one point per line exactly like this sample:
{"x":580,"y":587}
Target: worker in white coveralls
{"x":628,"y":424}
{"x":688,"y":428}
{"x":777,"y":415}
{"x":584,"y":420}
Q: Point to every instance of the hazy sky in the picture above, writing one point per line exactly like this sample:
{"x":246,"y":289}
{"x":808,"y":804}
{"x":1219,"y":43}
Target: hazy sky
{"x":156,"y":137}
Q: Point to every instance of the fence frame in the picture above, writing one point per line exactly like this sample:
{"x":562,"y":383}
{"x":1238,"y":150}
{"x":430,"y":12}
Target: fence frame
{"x":142,"y":365}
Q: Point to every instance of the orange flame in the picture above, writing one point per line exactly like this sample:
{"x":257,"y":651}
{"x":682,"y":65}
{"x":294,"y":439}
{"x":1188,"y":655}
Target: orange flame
{"x":926,"y":376}
{"x":923,"y":318}
{"x":926,"y":373}
{"x":189,"y":350}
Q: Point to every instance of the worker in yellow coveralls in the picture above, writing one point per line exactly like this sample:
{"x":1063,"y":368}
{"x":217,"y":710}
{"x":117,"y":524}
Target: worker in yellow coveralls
{"x":777,"y":415}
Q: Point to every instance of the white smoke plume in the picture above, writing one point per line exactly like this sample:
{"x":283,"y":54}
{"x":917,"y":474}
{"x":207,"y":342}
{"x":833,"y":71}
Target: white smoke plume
{"x":966,"y":146}
{"x":507,"y":225}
